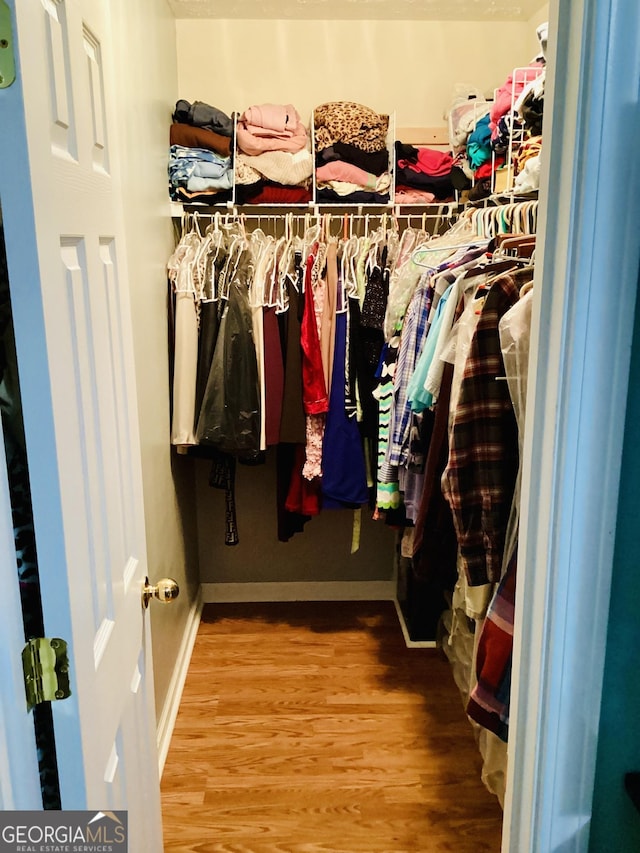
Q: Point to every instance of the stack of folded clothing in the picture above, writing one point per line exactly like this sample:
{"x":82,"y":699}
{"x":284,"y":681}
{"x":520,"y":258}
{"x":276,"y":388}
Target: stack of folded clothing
{"x":273,"y":163}
{"x":509,"y":127}
{"x":200,"y":166}
{"x":464,"y":113}
{"x":483,"y":158}
{"x":425,"y":174}
{"x":515,"y":120}
{"x":479,"y":144}
{"x":530,"y":105}
{"x":352,"y":160}
{"x":526,"y":164}
{"x":510,"y":91}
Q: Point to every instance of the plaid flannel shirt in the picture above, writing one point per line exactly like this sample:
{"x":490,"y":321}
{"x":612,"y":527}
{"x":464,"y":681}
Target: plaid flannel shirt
{"x":414,"y":332}
{"x":480,"y":476}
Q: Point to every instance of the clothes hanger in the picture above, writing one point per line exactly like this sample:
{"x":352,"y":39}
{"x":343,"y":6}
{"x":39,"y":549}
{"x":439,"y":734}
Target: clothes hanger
{"x":519,"y":248}
{"x":349,"y":253}
{"x":216,"y":243}
{"x":311,"y":236}
{"x":237,"y":243}
{"x":415,"y":257}
{"x":371,"y":259}
{"x":272,"y":297}
{"x":495,"y":272}
{"x":285,"y":273}
{"x":491,"y":268}
{"x":275,"y":279}
{"x":262,"y":250}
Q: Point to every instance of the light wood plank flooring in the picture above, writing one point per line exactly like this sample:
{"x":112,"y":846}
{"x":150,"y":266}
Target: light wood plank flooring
{"x":311,"y":728}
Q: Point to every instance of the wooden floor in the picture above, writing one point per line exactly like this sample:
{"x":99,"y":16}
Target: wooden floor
{"x":311,"y":728}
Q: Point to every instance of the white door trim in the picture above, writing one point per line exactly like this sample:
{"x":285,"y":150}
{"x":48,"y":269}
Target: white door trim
{"x":583,"y":323}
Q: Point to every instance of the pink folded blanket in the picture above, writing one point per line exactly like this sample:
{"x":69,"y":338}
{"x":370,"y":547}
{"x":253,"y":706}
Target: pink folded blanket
{"x":279,"y":118}
{"x":268,"y":133}
{"x":339,"y":170}
{"x":250,"y":143}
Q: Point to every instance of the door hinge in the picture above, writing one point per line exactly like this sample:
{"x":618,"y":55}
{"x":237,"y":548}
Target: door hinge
{"x":46,"y":671}
{"x":7,"y":61}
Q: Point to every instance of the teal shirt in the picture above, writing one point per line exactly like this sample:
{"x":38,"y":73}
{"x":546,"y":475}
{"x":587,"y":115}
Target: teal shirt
{"x":418,"y":396}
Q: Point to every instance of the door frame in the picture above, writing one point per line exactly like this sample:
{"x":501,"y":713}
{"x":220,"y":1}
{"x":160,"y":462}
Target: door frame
{"x":585,"y":295}
{"x":19,"y":776}
{"x":576,"y":418}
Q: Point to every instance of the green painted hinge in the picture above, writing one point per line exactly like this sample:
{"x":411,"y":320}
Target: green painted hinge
{"x":7,"y":62}
{"x":46,"y":671}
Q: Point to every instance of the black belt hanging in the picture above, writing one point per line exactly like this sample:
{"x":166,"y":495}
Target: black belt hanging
{"x":223,"y":476}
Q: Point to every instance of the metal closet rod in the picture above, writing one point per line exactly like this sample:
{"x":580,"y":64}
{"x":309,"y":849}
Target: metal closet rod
{"x":337,"y":211}
{"x":313,"y":215}
{"x":442,"y":215}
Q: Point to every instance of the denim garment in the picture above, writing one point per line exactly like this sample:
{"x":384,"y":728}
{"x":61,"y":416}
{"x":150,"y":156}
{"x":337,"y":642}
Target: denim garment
{"x":185,"y":163}
{"x":199,"y":185}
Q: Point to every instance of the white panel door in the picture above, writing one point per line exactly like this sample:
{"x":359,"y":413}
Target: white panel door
{"x":59,"y":188}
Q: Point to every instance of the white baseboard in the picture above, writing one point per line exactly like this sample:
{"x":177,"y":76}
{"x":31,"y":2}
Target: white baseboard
{"x":228,"y":593}
{"x":174,"y":693}
{"x":299,"y":591}
{"x":412,"y":644}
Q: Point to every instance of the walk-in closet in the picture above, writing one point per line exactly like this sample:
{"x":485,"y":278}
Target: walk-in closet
{"x":304,"y":304}
{"x":359,"y":210}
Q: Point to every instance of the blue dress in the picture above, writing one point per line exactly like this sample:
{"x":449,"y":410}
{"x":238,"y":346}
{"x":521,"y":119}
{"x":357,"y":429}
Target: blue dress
{"x":344,"y":480}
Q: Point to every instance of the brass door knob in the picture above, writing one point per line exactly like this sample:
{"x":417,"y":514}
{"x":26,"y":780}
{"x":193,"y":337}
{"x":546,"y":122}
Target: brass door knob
{"x":165,"y":591}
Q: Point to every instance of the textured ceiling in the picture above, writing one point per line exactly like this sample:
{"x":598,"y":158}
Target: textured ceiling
{"x":442,"y":10}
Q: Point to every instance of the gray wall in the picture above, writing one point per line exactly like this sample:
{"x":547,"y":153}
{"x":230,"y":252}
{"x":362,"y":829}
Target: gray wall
{"x":320,"y":553}
{"x":144,"y":35}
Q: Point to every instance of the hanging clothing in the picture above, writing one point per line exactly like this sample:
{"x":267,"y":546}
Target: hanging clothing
{"x":304,"y":495}
{"x":223,"y":476}
{"x":316,"y":401}
{"x":185,"y":321}
{"x":292,"y":424}
{"x":314,"y":393}
{"x":185,"y":370}
{"x":344,"y":481}
{"x":489,"y":700}
{"x":434,"y":542}
{"x":290,"y":521}
{"x":412,"y":340}
{"x":328,"y":321}
{"x":273,"y":376}
{"x":230,"y":414}
{"x":374,"y":304}
{"x":483,"y":453}
{"x":387,"y":491}
{"x":210,"y":313}
{"x":417,"y":395}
